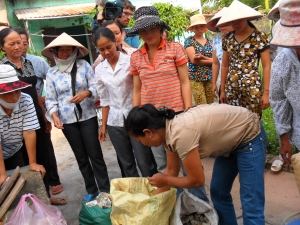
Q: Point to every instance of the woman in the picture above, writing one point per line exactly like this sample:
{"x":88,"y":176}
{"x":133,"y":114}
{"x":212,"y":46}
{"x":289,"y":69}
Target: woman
{"x":11,"y":43}
{"x":115,"y":85}
{"x":285,"y":78}
{"x":18,"y":107}
{"x":217,"y":49}
{"x":121,"y":44}
{"x":199,"y":51}
{"x":160,"y":74}
{"x":194,"y":133}
{"x":242,"y":49}
{"x":71,"y":92}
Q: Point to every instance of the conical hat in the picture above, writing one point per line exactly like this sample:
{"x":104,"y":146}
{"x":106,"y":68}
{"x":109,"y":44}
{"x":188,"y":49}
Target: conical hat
{"x":64,"y":40}
{"x":211,"y":25}
{"x":274,"y":12}
{"x":237,"y":11}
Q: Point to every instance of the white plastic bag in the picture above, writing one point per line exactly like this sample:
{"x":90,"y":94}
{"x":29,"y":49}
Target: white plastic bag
{"x":187,"y":203}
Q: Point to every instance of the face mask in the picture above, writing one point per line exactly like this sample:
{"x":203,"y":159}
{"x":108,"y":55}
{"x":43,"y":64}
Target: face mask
{"x":8,"y":105}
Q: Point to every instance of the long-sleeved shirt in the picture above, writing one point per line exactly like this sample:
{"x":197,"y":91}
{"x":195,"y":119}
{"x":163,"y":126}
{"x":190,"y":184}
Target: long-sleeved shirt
{"x":285,"y":94}
{"x":59,"y":93}
{"x":115,"y":89}
{"x":41,"y":68}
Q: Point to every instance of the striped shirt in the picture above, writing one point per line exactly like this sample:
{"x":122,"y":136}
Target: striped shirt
{"x":160,"y":80}
{"x":23,"y":118}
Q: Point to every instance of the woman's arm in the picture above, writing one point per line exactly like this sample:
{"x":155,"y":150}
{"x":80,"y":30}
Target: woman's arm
{"x":186,"y":91}
{"x":215,"y":73}
{"x":224,"y":72}
{"x":193,"y":167}
{"x":102,"y":132}
{"x":266,"y":64}
{"x":30,"y":142}
{"x":3,"y":175}
{"x":198,"y":59}
{"x":137,"y":85}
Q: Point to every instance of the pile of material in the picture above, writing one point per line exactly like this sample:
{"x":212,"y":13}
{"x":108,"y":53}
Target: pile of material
{"x":194,"y":219}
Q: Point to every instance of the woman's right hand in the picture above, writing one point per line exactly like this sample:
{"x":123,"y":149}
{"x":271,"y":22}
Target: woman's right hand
{"x":223,"y":97}
{"x":57,"y":122}
{"x":214,"y":90}
{"x":102,"y":134}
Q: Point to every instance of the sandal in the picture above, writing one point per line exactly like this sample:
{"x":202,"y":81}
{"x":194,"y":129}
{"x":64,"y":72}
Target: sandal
{"x":277,"y":165}
{"x":90,"y":197}
{"x":56,"y":189}
{"x":57,"y":201}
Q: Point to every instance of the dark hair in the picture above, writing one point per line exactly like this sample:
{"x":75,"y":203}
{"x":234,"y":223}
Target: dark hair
{"x":147,"y":117}
{"x":128,"y":5}
{"x":22,"y":31}
{"x":110,"y":22}
{"x":104,"y":32}
{"x":251,"y":24}
{"x":3,"y":34}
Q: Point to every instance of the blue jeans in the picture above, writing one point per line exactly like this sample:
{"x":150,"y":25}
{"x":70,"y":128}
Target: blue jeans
{"x":248,"y":160}
{"x":161,"y":161}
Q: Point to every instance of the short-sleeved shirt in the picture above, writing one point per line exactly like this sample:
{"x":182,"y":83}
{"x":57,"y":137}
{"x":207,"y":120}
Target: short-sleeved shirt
{"x":160,"y":80}
{"x":199,"y":73}
{"x":215,"y":129}
{"x":23,"y":118}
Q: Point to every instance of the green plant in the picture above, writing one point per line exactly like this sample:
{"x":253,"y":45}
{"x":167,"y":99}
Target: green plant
{"x":1,"y":54}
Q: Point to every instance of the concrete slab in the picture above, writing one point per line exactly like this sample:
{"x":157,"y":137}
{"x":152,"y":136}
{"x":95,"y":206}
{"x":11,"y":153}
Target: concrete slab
{"x":282,"y":194}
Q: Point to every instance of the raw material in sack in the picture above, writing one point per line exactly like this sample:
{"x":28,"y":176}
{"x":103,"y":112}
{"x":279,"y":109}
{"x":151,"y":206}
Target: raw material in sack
{"x":195,"y":219}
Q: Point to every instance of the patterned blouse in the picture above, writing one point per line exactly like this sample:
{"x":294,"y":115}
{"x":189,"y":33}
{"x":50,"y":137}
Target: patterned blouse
{"x":59,"y":93}
{"x":199,"y":73}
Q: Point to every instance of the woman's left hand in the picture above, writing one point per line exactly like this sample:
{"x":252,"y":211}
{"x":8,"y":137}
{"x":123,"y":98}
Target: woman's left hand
{"x":264,"y":101}
{"x":158,"y":180}
{"x":79,"y":97}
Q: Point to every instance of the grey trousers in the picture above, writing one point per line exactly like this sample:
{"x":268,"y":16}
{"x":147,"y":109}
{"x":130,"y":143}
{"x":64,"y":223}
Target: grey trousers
{"x":130,"y":153}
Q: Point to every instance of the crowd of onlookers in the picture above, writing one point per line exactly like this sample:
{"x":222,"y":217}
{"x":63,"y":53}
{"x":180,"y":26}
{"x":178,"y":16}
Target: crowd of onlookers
{"x":156,"y":100}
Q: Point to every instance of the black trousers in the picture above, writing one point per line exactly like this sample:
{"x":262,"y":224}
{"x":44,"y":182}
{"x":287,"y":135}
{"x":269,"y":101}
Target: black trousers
{"x":83,"y":139}
{"x":53,"y":172}
{"x":16,"y":160}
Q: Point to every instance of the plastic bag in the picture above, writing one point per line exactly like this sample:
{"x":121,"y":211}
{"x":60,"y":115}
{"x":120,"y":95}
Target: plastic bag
{"x":36,"y":214}
{"x":94,"y":215}
{"x":187,"y":204}
{"x":134,"y":203}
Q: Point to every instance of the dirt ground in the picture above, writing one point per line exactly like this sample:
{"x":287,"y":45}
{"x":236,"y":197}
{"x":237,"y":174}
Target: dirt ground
{"x":282,"y":194}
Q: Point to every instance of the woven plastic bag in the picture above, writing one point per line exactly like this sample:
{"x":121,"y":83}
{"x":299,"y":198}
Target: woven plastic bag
{"x":134,"y":203}
{"x":94,"y":215}
{"x":36,"y":214}
{"x":296,"y":165}
{"x":187,"y":204}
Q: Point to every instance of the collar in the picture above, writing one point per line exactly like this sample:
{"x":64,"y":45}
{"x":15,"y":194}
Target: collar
{"x":122,"y":60}
{"x":160,"y":46}
{"x":5,"y":60}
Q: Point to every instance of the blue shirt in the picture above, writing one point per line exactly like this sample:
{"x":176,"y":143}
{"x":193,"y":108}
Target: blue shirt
{"x":132,"y":41}
{"x":59,"y":93}
{"x":217,"y":46}
{"x":41,"y":68}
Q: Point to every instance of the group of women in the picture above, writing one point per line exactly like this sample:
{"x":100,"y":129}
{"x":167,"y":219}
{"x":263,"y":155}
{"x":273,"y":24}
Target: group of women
{"x":146,"y":99}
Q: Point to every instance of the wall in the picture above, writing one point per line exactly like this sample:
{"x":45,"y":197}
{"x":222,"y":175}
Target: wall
{"x":3,"y":13}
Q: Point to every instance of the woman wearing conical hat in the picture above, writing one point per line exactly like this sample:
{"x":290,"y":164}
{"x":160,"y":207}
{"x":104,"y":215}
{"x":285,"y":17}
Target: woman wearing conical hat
{"x":70,"y":96}
{"x":241,"y":86}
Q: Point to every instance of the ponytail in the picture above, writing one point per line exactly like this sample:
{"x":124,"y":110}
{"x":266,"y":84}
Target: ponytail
{"x":147,"y":117}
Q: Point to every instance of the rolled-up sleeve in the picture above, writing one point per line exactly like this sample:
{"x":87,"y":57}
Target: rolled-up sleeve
{"x":282,"y":109}
{"x":51,"y":97}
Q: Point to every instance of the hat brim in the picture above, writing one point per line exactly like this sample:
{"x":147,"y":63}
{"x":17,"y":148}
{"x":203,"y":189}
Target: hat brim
{"x":274,"y":13}
{"x":283,"y":36}
{"x":13,"y":86}
{"x":221,"y":23}
{"x":211,"y":25}
{"x":143,"y":24}
{"x":195,"y":24}
{"x":48,"y":51}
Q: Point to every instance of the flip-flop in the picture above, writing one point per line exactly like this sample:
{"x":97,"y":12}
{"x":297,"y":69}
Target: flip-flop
{"x":57,"y":201}
{"x":90,"y":197}
{"x":57,"y":189}
{"x":277,"y":165}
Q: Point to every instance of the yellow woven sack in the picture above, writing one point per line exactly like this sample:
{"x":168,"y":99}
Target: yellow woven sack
{"x":296,"y":166}
{"x":134,"y":203}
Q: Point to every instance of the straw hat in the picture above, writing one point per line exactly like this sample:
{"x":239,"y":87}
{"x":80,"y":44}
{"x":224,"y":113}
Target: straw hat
{"x":211,"y":25}
{"x":64,"y":40}
{"x":274,"y":12}
{"x":237,"y":11}
{"x":146,"y":16}
{"x":9,"y":80}
{"x":286,"y":31}
{"x":198,"y":19}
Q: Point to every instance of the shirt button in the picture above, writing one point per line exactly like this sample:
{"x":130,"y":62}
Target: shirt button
{"x":249,"y":143}
{"x":250,"y":149}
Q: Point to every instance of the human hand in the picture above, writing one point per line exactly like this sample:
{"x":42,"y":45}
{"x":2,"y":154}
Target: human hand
{"x":38,"y":168}
{"x":223,"y":97}
{"x":214,"y":91}
{"x":3,"y":178}
{"x":197,"y":56}
{"x":57,"y":123}
{"x":102,"y":134}
{"x":286,"y":151}
{"x":159,"y":180}
{"x":79,"y":97}
{"x":264,"y":101}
